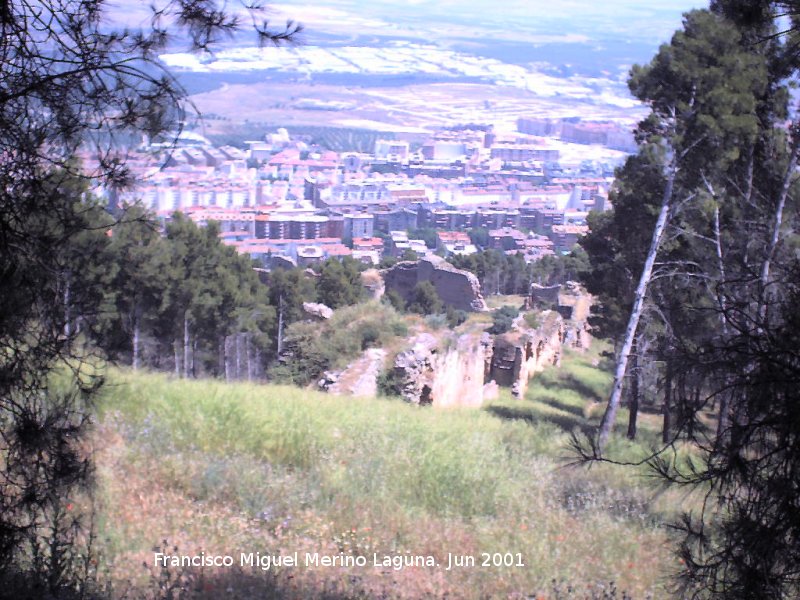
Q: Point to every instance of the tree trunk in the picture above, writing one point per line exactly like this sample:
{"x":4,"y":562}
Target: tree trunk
{"x":136,"y":337}
{"x":777,"y":221}
{"x":693,"y":407}
{"x":67,"y":301}
{"x":176,"y":348}
{"x":223,"y":358}
{"x":238,"y":340}
{"x":666,"y":408}
{"x":280,"y":325}
{"x":724,"y":402}
{"x":249,"y":357}
{"x":682,"y":401}
{"x":633,"y":400}
{"x":723,"y":418}
{"x":609,"y":417}
{"x":187,"y":351}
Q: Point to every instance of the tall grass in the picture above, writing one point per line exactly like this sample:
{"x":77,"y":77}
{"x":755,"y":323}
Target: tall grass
{"x":279,"y":467}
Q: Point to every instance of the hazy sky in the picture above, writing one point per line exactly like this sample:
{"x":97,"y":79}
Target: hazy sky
{"x":635,"y":19}
{"x":651,"y":21}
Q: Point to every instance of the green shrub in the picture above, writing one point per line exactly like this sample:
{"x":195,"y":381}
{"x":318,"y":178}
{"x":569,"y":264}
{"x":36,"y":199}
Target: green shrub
{"x":310,"y":348}
{"x":370,"y":335}
{"x":399,"y":328}
{"x":425,"y":299}
{"x":395,"y":300}
{"x":532,"y":320}
{"x":502,"y":319}
{"x":436,"y":321}
{"x":455,"y":317}
{"x":389,"y":383}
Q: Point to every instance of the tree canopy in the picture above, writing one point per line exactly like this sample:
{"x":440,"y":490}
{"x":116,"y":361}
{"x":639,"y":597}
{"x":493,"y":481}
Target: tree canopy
{"x":75,"y":93}
{"x":720,"y":275}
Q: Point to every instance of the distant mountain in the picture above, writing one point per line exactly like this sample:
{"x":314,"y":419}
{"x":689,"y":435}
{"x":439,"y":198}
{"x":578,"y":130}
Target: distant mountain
{"x":568,"y":37}
{"x":568,"y":57}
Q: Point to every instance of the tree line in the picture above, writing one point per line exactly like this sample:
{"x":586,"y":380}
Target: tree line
{"x":508,"y":274}
{"x":175,"y":298}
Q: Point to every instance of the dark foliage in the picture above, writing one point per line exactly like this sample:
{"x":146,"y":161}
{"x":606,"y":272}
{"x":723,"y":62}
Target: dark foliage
{"x":500,"y":273}
{"x":502,"y":319}
{"x":74,"y":94}
{"x":425,"y":299}
{"x":721,"y":310}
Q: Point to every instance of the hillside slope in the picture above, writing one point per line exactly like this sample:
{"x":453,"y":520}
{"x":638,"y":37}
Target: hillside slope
{"x":229,"y":469}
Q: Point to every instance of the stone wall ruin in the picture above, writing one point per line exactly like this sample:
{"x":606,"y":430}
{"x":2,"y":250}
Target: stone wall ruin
{"x":457,"y":288}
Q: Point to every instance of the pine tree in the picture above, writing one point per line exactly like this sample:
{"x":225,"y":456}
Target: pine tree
{"x":71,"y":85}
{"x":725,"y":292}
{"x":703,"y":90}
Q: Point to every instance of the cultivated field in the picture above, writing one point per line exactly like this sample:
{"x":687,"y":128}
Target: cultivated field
{"x":412,"y":107}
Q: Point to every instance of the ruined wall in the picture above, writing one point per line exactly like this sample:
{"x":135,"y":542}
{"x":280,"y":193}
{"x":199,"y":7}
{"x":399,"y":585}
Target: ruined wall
{"x":519,"y":355}
{"x":373,"y":282}
{"x":465,"y":370}
{"x":574,"y":305}
{"x":541,"y":294}
{"x":401,"y":278}
{"x":460,"y":371}
{"x":447,"y":369}
{"x":444,"y":373}
{"x":456,"y":288}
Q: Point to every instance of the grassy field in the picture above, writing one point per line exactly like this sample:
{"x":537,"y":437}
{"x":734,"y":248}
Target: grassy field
{"x":496,"y":301}
{"x":225,"y":469}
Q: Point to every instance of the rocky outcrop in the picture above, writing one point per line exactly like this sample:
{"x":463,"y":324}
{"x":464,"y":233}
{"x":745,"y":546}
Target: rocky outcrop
{"x":491,"y":391}
{"x":457,"y":288}
{"x":448,"y":369}
{"x":413,"y":370}
{"x":317,"y":311}
{"x":444,"y":372}
{"x":373,"y":282}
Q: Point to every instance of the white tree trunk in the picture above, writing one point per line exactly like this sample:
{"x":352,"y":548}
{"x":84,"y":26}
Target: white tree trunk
{"x":238,"y":340}
{"x":226,"y":363}
{"x":609,"y":417}
{"x":248,"y":349}
{"x":176,"y":348}
{"x":136,"y":337}
{"x":280,"y":325}
{"x":724,"y":401}
{"x":187,"y":351}
{"x":777,"y":222}
{"x":67,"y":301}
